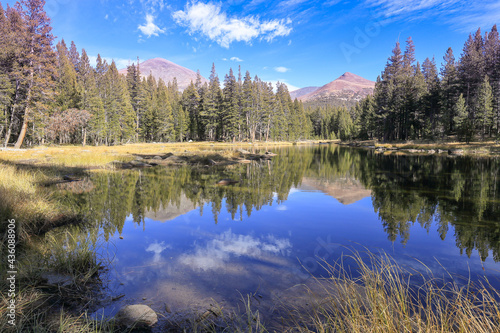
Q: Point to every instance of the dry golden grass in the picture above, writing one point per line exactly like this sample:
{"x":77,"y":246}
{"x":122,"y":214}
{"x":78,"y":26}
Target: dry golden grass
{"x":101,"y":156}
{"x":487,"y":146}
{"x":384,"y":297}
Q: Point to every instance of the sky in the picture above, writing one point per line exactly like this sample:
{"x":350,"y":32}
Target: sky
{"x":301,"y":43}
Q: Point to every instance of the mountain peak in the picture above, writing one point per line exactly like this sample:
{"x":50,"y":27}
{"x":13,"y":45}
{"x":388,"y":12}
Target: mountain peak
{"x":166,"y":70}
{"x":348,"y":76}
{"x":348,"y":86}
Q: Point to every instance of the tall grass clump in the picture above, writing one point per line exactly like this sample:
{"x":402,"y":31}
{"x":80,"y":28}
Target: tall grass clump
{"x":22,"y":199}
{"x":381,"y":296}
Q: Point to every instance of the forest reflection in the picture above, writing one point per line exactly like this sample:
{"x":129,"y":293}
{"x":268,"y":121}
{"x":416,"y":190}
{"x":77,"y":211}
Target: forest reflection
{"x":462,"y":192}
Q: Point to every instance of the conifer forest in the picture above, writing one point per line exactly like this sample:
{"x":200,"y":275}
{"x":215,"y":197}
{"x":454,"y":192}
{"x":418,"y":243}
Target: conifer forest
{"x":52,"y":94}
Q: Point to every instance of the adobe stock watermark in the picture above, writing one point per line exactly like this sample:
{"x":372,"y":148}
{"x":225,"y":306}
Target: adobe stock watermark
{"x":52,"y":6}
{"x":362,"y":38}
{"x":11,"y":272}
{"x":324,"y":252}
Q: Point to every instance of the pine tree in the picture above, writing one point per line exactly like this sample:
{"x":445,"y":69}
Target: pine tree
{"x":120,"y":117}
{"x":449,"y":89}
{"x":191,"y":104}
{"x":211,"y":105}
{"x":180,"y":116}
{"x":484,"y":111}
{"x":38,"y":63}
{"x":149,"y":122}
{"x":134,"y":88}
{"x":229,"y":114}
{"x":390,"y":100}
{"x":462,"y":120}
{"x":250,"y":105}
{"x":492,"y":69}
{"x":67,"y":86}
{"x":74,"y":57}
{"x":165,"y":116}
{"x":7,"y":88}
{"x":431,"y":100}
{"x":471,"y":67}
{"x":90,"y":100}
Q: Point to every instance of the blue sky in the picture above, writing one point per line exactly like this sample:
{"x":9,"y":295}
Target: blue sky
{"x":302,"y":43}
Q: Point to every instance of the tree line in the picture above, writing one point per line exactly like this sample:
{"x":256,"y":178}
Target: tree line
{"x":52,"y":94}
{"x":416,"y":101}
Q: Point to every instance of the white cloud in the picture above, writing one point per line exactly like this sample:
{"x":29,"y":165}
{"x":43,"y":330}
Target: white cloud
{"x":120,"y":62}
{"x":289,"y":86}
{"x":106,"y":17}
{"x":209,"y":20}
{"x":217,"y":252}
{"x":157,"y":249}
{"x":150,"y":29}
{"x":465,"y":15}
{"x":282,"y":208}
{"x":236,"y":59}
{"x":281,"y":69}
{"x":152,"y":5}
{"x":291,"y":3}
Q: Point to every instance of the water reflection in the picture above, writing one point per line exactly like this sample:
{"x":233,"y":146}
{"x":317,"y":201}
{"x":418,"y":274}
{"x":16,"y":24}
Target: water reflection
{"x":218,"y":252}
{"x":462,"y":192}
{"x":268,"y":231}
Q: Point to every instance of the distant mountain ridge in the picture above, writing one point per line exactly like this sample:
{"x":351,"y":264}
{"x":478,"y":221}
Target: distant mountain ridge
{"x":167,"y":70}
{"x":346,"y":90}
{"x":302,"y":91}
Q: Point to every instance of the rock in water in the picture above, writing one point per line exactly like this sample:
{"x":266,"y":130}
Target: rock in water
{"x":224,"y":182}
{"x":456,"y":151}
{"x":137,"y":315}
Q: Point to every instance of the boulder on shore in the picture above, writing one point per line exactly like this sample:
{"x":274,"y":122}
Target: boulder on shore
{"x":137,"y":316}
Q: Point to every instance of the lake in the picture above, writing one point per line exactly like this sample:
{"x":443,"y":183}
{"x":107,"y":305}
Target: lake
{"x":176,"y":240}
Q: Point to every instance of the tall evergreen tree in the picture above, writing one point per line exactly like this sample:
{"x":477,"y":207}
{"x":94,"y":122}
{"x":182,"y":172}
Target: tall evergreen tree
{"x":449,"y":90}
{"x":67,"y":87}
{"x":230,"y":115}
{"x":431,"y":100}
{"x":492,"y":68}
{"x":462,"y":120}
{"x":211,"y":105}
{"x":484,"y":106}
{"x":90,"y":100}
{"x":191,"y":103}
{"x":38,"y":63}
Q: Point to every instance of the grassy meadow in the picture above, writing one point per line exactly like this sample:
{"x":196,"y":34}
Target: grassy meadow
{"x":381,"y":297}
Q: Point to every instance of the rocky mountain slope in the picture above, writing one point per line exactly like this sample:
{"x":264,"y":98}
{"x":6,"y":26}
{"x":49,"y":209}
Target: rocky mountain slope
{"x":167,"y":70}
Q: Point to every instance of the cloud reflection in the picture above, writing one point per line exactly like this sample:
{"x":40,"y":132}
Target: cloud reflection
{"x":217,"y":252}
{"x":157,"y":249}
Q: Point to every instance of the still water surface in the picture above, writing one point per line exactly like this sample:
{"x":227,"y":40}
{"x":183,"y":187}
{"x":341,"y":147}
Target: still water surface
{"x":175,"y":238}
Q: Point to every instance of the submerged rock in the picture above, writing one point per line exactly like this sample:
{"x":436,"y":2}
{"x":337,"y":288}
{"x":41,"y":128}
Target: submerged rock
{"x":456,"y":151}
{"x":137,"y":164}
{"x":224,"y":182}
{"x":167,"y":155}
{"x":137,"y":315}
{"x":243,"y":151}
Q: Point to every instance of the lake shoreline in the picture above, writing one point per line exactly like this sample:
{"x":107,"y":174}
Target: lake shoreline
{"x":483,"y":149}
{"x":32,"y":175}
